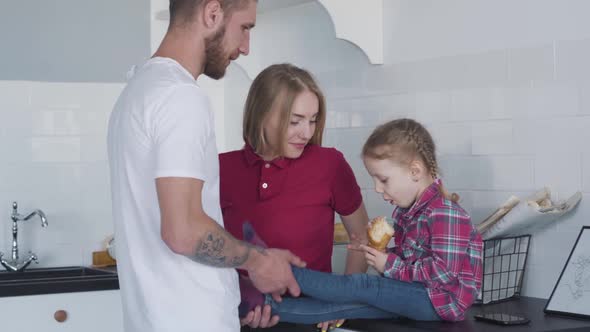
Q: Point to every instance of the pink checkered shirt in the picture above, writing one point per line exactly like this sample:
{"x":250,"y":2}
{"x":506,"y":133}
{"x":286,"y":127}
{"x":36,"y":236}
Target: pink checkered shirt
{"x":437,"y":245}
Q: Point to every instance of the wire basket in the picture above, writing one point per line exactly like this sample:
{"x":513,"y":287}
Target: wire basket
{"x":503,"y":268}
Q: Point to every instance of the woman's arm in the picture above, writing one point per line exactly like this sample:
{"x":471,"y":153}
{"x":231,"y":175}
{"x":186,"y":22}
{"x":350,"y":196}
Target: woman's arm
{"x":356,"y":226}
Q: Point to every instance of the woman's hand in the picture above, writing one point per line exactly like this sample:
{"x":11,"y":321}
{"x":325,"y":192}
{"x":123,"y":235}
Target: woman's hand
{"x":374,"y":257}
{"x":260,"y":317}
{"x":325,"y":326}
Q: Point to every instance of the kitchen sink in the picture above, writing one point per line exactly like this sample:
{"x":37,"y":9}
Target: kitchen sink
{"x":57,"y":280}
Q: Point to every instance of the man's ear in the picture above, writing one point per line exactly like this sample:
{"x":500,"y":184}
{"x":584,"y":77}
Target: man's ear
{"x":212,"y":14}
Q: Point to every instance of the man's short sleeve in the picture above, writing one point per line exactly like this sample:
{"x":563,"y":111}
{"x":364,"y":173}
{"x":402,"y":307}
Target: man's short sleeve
{"x":346,"y":193}
{"x":181,"y":130}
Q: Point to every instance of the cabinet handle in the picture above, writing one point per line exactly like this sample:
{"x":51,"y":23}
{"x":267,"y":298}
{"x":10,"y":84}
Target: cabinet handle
{"x":60,"y":316}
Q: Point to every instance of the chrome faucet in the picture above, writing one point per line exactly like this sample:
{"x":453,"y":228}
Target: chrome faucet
{"x":16,"y":264}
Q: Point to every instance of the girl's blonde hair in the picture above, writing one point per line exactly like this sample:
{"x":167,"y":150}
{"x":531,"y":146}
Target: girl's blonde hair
{"x":404,"y":141}
{"x":279,"y":85}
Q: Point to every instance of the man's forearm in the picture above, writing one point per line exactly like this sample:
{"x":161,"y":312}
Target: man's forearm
{"x":216,"y":247}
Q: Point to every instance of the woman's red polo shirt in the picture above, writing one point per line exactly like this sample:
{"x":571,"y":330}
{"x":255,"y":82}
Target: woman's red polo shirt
{"x":290,"y":202}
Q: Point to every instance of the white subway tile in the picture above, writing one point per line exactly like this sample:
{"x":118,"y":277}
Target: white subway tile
{"x":364,"y":119}
{"x":55,"y":149}
{"x":95,"y":188}
{"x":350,"y":143}
{"x":562,"y":172}
{"x":553,"y":99}
{"x":585,"y":98}
{"x":586,"y":171}
{"x":18,"y":122}
{"x":432,"y":107}
{"x":330,"y":137}
{"x":14,"y":95}
{"x":394,"y":107}
{"x":485,"y":69}
{"x":56,"y":122}
{"x":93,"y":148}
{"x":344,"y":105}
{"x":15,"y":149}
{"x":387,"y":79}
{"x":58,"y":95}
{"x":543,"y":100}
{"x":341,"y":83}
{"x":451,"y":138}
{"x":533,"y":63}
{"x":485,"y":173}
{"x":492,"y":137}
{"x":547,"y":135}
{"x":479,"y":104}
{"x":572,"y":60}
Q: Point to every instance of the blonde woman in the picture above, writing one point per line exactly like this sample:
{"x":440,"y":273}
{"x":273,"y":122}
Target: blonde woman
{"x":284,"y":182}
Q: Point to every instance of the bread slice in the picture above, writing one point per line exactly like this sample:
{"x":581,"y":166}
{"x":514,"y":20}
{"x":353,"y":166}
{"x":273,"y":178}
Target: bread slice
{"x":379,"y":233}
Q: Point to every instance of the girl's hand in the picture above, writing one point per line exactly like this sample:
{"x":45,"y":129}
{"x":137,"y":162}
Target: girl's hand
{"x":375,"y":258}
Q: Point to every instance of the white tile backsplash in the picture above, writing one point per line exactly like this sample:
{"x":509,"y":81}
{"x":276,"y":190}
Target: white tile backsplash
{"x":571,"y":61}
{"x":432,"y":107}
{"x":451,"y":138}
{"x":492,"y":137}
{"x":564,"y":178}
{"x":586,"y":172}
{"x":532,"y":63}
{"x":54,"y":146}
{"x":55,"y":149}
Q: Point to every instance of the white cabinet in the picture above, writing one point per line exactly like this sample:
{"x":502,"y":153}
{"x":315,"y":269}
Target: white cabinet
{"x":98,"y":311}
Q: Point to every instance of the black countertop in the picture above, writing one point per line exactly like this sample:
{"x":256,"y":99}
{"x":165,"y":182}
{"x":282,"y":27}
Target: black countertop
{"x":57,"y":280}
{"x":532,"y":308}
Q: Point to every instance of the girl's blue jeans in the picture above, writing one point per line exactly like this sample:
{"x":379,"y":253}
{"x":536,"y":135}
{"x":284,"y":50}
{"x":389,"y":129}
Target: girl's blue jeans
{"x":329,"y":296}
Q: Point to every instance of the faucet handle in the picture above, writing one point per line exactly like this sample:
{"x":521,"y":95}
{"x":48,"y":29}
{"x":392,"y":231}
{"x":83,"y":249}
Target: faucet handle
{"x":33,"y":257}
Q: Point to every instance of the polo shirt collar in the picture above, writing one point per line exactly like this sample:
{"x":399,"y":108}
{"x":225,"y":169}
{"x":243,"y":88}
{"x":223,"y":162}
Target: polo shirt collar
{"x":252,"y":158}
{"x":430,"y":193}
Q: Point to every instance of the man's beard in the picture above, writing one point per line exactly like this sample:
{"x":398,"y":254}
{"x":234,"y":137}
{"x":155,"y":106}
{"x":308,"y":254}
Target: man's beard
{"x":215,"y":56}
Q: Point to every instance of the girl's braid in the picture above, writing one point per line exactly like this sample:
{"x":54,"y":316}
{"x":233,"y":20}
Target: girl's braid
{"x":424,"y":146}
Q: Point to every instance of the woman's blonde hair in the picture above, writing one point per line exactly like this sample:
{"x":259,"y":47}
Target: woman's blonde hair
{"x":278,"y":86}
{"x":404,"y":141}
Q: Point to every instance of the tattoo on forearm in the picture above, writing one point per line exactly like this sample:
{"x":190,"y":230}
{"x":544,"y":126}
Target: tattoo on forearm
{"x":211,"y":251}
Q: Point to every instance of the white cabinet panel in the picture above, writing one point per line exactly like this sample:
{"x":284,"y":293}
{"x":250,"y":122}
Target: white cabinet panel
{"x":86,"y":311}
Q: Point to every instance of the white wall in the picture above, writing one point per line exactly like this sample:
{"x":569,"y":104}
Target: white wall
{"x":503,"y":86}
{"x":53,"y":148}
{"x":72,"y":40}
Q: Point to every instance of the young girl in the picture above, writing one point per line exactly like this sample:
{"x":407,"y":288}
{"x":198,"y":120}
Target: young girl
{"x":433,"y":272}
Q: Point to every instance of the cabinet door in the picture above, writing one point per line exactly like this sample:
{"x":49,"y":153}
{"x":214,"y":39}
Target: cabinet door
{"x":86,"y":311}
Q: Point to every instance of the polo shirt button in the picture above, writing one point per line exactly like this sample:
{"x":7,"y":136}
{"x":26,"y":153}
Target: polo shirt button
{"x":267,"y":165}
{"x":265,"y":185}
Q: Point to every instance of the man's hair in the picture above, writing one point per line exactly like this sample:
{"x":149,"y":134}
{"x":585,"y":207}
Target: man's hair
{"x":183,"y":11}
{"x":276,"y":87}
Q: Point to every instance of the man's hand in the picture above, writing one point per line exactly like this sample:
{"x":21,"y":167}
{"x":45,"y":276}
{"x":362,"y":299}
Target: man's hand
{"x":375,"y":258}
{"x":260,"y":318}
{"x":271,"y":274}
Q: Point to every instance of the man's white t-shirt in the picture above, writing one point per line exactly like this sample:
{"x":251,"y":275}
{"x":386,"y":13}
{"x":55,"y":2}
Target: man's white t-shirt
{"x":162,"y":126}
